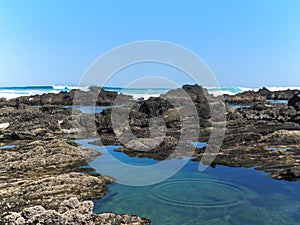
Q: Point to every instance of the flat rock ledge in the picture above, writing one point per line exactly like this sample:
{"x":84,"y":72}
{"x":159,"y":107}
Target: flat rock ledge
{"x":71,"y":212}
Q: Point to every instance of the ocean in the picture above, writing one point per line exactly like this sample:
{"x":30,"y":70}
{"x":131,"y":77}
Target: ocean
{"x":13,"y":92}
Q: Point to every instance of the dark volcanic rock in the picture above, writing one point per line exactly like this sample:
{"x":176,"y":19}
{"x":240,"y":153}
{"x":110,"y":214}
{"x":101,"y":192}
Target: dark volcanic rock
{"x":168,"y":107}
{"x":245,"y":98}
{"x":277,"y":95}
{"x":95,"y":95}
{"x":252,"y":97}
{"x":158,"y":148}
{"x":295,"y":102}
{"x":33,"y":123}
{"x":280,"y":164}
{"x":154,"y":106}
{"x":249,"y":130}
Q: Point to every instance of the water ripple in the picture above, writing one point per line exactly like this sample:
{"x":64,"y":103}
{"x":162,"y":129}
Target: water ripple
{"x":201,"y":193}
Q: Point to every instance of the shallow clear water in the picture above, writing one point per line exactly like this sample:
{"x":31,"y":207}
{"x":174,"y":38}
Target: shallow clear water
{"x":7,"y":147}
{"x":239,"y":106}
{"x":273,"y":102}
{"x":221,"y":195}
{"x":89,"y":109}
{"x":278,"y":102}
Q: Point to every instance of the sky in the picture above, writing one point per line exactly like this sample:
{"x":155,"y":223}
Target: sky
{"x":249,"y":43}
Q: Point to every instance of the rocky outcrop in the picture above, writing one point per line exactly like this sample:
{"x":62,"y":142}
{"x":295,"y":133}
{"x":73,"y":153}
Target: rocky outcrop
{"x":288,"y":137}
{"x":260,"y":96}
{"x":260,"y":125}
{"x":72,"y":212}
{"x":252,"y":125}
{"x":42,"y":169}
{"x":251,"y":134}
{"x":33,"y":123}
{"x":170,"y":111}
{"x":295,"y":102}
{"x":279,"y":163}
{"x":159,"y":148}
{"x":44,"y":123}
{"x":50,"y":190}
{"x":277,"y":95}
{"x":245,"y":98}
{"x":50,"y":157}
{"x":95,"y":94}
{"x":168,"y":107}
{"x":45,"y":173}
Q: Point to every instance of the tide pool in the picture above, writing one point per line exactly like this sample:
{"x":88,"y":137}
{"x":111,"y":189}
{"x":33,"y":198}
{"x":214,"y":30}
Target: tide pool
{"x":220,"y":195}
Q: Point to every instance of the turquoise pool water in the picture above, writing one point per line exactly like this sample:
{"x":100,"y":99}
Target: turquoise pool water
{"x":221,"y":195}
{"x":278,"y":102}
{"x":89,"y":109}
{"x":7,"y":147}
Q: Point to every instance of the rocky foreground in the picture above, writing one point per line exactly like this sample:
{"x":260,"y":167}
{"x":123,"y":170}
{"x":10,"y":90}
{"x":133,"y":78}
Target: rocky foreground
{"x":41,"y":179}
{"x":70,"y":212}
{"x":40,"y":169}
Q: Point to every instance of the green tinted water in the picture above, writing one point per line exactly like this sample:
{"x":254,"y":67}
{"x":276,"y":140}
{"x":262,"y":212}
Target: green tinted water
{"x":221,"y":195}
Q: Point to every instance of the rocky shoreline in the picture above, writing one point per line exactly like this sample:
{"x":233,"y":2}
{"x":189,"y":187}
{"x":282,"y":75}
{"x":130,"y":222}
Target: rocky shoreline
{"x":41,"y":177}
{"x":41,"y":169}
{"x":70,"y":211}
{"x":250,"y":131}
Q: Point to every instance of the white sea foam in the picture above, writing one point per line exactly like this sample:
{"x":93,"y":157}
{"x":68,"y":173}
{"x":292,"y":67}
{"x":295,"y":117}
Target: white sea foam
{"x":9,"y":95}
{"x":144,"y":96}
{"x":220,"y":92}
{"x":67,"y":87}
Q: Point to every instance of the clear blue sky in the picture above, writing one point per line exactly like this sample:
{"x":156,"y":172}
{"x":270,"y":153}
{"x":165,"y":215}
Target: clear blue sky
{"x":245,"y":42}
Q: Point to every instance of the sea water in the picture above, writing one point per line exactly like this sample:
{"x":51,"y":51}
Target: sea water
{"x":220,"y":195}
